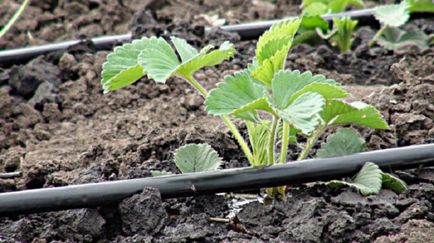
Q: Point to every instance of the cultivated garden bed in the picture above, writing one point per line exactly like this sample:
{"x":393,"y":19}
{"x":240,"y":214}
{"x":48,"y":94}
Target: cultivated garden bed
{"x":58,"y":128}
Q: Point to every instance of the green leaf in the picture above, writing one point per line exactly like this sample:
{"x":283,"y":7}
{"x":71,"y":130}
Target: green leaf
{"x":258,"y":136}
{"x":156,"y":173}
{"x":123,"y":78}
{"x":313,"y":22}
{"x":393,"y":183}
{"x":316,"y":8}
{"x":307,"y":2}
{"x":277,"y":37}
{"x":289,"y":85}
{"x":326,"y":90}
{"x":159,"y":60}
{"x":272,"y":48}
{"x":185,"y":50}
{"x":285,"y":84}
{"x":356,"y":3}
{"x":395,"y":39}
{"x":337,"y":6}
{"x":302,"y":113}
{"x":344,"y":142}
{"x":423,"y":6}
{"x":265,"y":71}
{"x":197,"y":158}
{"x":393,"y":15}
{"x":358,"y":113}
{"x":259,"y":104}
{"x":237,"y":95}
{"x":367,"y":116}
{"x":121,"y":67}
{"x":334,"y":108}
{"x":343,"y":38}
{"x":368,"y":181}
{"x":205,"y":58}
{"x":320,"y":7}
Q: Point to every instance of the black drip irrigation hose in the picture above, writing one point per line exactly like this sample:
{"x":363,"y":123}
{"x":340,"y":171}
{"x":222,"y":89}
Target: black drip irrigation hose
{"x":246,"y":31}
{"x":255,"y":29}
{"x":228,"y":180}
{"x":20,"y":55}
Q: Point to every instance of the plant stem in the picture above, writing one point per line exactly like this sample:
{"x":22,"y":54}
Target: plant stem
{"x":197,"y":85}
{"x":311,"y":141}
{"x":272,"y":140}
{"x":378,"y":34}
{"x":285,"y":142}
{"x":14,"y":18}
{"x":225,"y":119}
{"x":239,"y":138}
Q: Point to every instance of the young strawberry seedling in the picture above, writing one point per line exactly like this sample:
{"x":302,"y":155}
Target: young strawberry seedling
{"x":341,"y":35}
{"x":266,"y":96}
{"x":390,"y":36}
{"x":344,"y":34}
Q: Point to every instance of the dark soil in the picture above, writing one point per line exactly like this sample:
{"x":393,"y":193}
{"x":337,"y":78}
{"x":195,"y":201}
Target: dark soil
{"x":57,"y":128}
{"x":45,"y":21}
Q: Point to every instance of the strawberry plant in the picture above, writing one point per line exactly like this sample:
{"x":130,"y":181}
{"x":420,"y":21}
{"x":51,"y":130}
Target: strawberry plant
{"x":341,"y":35}
{"x":344,"y":34}
{"x":370,"y":179}
{"x":391,"y":18}
{"x":275,"y":104}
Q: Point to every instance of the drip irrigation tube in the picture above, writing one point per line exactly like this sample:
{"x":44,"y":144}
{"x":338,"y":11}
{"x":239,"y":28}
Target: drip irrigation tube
{"x":19,"y":55}
{"x":104,"y":193}
{"x":246,"y":31}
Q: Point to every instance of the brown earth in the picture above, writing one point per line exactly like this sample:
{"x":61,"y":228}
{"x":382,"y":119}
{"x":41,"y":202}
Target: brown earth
{"x":45,"y":21}
{"x":57,"y":128}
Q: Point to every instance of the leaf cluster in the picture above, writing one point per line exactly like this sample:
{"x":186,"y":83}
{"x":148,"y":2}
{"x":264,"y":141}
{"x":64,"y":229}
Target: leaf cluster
{"x":392,"y":17}
{"x":344,"y":33}
{"x":155,"y":58}
{"x":370,"y":179}
{"x":277,"y":105}
{"x":314,"y":28}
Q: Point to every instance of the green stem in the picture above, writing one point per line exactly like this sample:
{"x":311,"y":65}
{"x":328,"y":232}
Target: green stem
{"x":225,"y":119}
{"x":285,"y":142}
{"x":272,"y":141}
{"x":196,"y":85}
{"x":378,"y":34}
{"x":14,"y":18}
{"x":239,"y":138}
{"x":311,"y":141}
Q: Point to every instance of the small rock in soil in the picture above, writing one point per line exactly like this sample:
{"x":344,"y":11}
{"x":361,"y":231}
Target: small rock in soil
{"x":213,"y":205}
{"x":89,"y":222}
{"x":26,"y":79}
{"x":45,"y":93}
{"x":415,"y":211}
{"x":5,"y":104}
{"x":196,"y":227}
{"x":4,"y":76}
{"x":412,"y":231}
{"x":26,"y":116}
{"x":143,"y":213}
{"x":35,"y":172}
